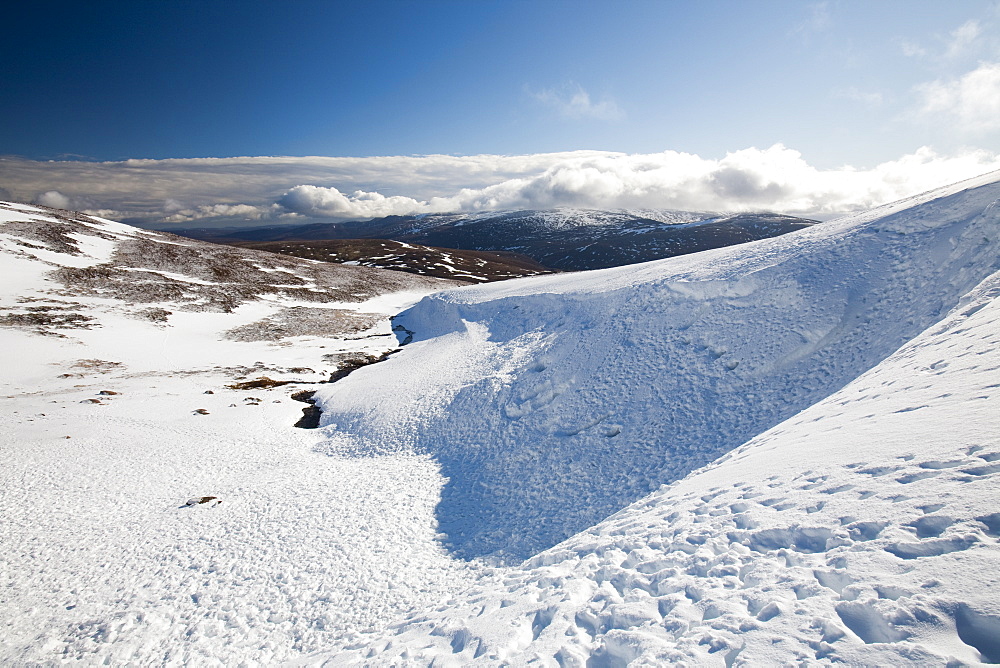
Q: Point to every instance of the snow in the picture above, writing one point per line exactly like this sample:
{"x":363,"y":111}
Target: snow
{"x":782,"y":452}
{"x":566,"y":397}
{"x":561,"y":218}
{"x":16,"y":211}
{"x":103,"y":444}
{"x":121,"y":572}
{"x":862,"y":531}
{"x":93,"y":251}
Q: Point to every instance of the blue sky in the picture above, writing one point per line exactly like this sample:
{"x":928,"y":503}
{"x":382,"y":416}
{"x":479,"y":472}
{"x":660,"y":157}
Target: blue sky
{"x":852,"y":84}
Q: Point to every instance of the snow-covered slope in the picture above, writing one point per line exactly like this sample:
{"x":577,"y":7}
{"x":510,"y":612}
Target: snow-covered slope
{"x":118,"y":267}
{"x":552,"y":402}
{"x":131,"y":384}
{"x":862,"y":531}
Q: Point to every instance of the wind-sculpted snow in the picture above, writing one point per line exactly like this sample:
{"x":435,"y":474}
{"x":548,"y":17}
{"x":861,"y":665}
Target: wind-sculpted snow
{"x":861,"y":531}
{"x":552,"y":402}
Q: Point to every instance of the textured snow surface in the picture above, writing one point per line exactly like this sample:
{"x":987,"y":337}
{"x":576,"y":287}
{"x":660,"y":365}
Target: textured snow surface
{"x":106,"y":431}
{"x":862,"y":530}
{"x":552,"y":402}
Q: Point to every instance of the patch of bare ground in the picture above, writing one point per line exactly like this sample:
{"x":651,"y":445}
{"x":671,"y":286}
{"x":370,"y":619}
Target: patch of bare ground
{"x":47,"y":320}
{"x":262,"y":383}
{"x":83,"y":368}
{"x":304,"y":321}
{"x":55,"y":236}
{"x":466,"y":265}
{"x":220,"y":278}
{"x":244,"y":372}
{"x":154,"y":314}
{"x":347,"y":363}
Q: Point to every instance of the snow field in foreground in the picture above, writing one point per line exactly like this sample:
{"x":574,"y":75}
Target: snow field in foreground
{"x":106,"y":431}
{"x":102,"y":563}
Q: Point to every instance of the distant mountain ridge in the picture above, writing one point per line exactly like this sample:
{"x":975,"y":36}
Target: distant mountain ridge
{"x":563,"y":239}
{"x":448,"y":263}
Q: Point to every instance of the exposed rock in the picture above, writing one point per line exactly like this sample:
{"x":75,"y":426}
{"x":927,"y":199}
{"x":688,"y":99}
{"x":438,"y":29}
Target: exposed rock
{"x":262,"y":383}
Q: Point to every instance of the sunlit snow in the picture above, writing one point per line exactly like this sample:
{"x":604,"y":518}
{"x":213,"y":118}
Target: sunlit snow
{"x":775,"y":453}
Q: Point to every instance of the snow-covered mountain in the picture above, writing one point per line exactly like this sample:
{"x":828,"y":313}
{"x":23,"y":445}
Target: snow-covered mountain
{"x":53,"y":259}
{"x":564,"y":239}
{"x":783,"y":451}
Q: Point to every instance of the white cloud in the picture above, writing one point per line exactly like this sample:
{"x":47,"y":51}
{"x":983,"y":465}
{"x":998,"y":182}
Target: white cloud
{"x":53,"y":198}
{"x":972,"y":100}
{"x":963,"y":39}
{"x":59,"y":200}
{"x":270,"y":190}
{"x":912,"y":49}
{"x":974,"y":39}
{"x":777,"y":179}
{"x":817,"y":21}
{"x":238,"y":211}
{"x":572,"y":101}
{"x":331,"y":203}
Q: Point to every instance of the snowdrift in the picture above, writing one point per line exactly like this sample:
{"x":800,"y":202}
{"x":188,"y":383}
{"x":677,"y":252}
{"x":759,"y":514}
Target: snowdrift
{"x":552,"y":402}
{"x":865,"y":530}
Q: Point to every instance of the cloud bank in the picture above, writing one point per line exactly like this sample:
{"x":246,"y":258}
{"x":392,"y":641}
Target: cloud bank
{"x":776,"y":179}
{"x":269,"y":190}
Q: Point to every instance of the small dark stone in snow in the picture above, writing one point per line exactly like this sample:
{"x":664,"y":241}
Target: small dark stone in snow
{"x":108,"y":393}
{"x":208,"y":392}
{"x":197,"y":500}
{"x":200,"y":411}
